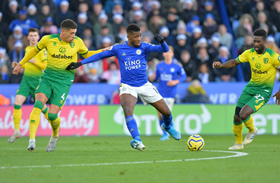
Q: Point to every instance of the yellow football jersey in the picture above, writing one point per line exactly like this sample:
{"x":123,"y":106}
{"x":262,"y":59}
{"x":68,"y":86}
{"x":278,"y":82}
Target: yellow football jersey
{"x":60,"y":54}
{"x":32,"y":70}
{"x":263,"y":67}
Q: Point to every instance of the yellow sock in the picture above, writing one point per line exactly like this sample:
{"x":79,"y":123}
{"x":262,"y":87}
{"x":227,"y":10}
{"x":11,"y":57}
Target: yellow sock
{"x":55,"y":123}
{"x":237,"y":130}
{"x":34,"y":121}
{"x":249,"y":123}
{"x":17,"y":116}
{"x":46,"y":114}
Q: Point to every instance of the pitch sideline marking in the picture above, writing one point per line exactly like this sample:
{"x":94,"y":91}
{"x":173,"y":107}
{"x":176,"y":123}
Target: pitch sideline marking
{"x":236,"y":154}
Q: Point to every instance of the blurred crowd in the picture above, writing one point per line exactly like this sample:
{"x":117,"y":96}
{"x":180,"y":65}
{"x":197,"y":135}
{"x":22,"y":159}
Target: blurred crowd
{"x":192,"y":27}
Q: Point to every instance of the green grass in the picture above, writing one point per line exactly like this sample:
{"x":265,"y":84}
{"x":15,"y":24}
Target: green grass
{"x":262,"y":164}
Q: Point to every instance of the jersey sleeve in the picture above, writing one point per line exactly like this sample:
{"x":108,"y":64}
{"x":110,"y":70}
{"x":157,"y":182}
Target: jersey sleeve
{"x":82,"y":47}
{"x":181,"y":72}
{"x":43,"y":55}
{"x":244,"y":56}
{"x":276,"y":60}
{"x":156,"y":48}
{"x":42,"y":43}
{"x":157,"y":73}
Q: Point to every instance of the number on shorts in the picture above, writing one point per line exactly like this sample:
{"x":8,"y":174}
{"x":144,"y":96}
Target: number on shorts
{"x":259,"y":97}
{"x":63,"y":96}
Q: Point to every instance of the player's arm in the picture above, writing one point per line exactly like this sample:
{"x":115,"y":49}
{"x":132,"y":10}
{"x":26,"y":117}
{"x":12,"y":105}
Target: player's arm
{"x":163,"y":47}
{"x":90,"y":53}
{"x":182,"y":77}
{"x":93,"y":58}
{"x":42,"y":65}
{"x":228,"y":64}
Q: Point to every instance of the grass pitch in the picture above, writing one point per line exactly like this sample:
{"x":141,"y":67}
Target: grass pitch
{"x":111,"y":159}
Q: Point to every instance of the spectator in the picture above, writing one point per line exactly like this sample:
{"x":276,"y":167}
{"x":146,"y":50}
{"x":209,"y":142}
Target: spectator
{"x":209,"y":8}
{"x":189,"y":65}
{"x":188,"y":11}
{"x":136,"y":7}
{"x":12,"y":12}
{"x":107,"y":61}
{"x":109,"y":4}
{"x":224,"y":74}
{"x":246,"y":69}
{"x":166,"y":4}
{"x":48,"y":27}
{"x":87,"y":33}
{"x":197,"y":33}
{"x":224,"y":37}
{"x":82,"y":23}
{"x":81,"y":76}
{"x":17,"y":53}
{"x":93,"y":76}
{"x":118,"y":22}
{"x":194,"y":23}
{"x":32,"y":13}
{"x":75,"y":5}
{"x":5,"y":60}
{"x":151,"y":64}
{"x":236,"y":8}
{"x":196,"y":93}
{"x":203,"y":58}
{"x":155,"y":23}
{"x":17,"y":35}
{"x":3,"y":32}
{"x":213,"y":48}
{"x":164,"y":31}
{"x":204,"y":74}
{"x":138,"y":17}
{"x":112,"y":76}
{"x":275,"y":15}
{"x":102,"y":22}
{"x":117,"y":10}
{"x":84,"y":8}
{"x":246,"y":25}
{"x":122,"y":35}
{"x":270,"y":43}
{"x":263,"y":23}
{"x":45,"y":13}
{"x":148,"y":6}
{"x":97,"y":10}
{"x":209,"y":26}
{"x":23,"y":22}
{"x":155,"y":11}
{"x":40,"y":3}
{"x":144,"y":30}
{"x":257,"y":9}
{"x":105,"y":32}
{"x":4,"y":74}
{"x":180,"y":46}
{"x":63,"y":13}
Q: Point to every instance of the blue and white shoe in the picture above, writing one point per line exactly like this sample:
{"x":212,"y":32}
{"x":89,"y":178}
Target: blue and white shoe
{"x":172,"y":132}
{"x":165,"y":136}
{"x":137,"y":144}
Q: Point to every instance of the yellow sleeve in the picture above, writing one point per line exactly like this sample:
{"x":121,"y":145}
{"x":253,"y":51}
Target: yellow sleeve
{"x":29,"y":55}
{"x":90,"y":53}
{"x":244,"y":56}
{"x":42,"y":44}
{"x":276,"y":60}
{"x":83,"y":50}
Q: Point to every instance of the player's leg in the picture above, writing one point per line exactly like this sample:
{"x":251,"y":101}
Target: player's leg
{"x":161,"y":106}
{"x":17,"y":117}
{"x":237,"y":130}
{"x":165,"y":134}
{"x":55,"y":123}
{"x":45,"y":111}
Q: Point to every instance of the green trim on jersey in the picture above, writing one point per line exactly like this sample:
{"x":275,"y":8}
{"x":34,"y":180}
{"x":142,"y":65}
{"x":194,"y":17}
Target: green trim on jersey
{"x":38,"y":47}
{"x":52,"y":36}
{"x":84,"y":53}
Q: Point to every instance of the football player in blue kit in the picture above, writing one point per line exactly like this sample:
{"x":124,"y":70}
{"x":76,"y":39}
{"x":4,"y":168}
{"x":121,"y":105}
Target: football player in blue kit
{"x":132,"y":56}
{"x":170,"y":74}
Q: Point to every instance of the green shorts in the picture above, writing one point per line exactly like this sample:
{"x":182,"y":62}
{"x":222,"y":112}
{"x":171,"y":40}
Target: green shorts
{"x":56,"y":92}
{"x":28,"y":86}
{"x":256,"y":99}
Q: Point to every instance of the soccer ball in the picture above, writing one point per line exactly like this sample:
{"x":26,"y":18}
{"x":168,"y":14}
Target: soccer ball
{"x":195,"y":143}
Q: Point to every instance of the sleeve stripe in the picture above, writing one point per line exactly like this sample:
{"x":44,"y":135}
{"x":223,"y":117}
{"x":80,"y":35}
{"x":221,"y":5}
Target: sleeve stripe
{"x":38,"y":48}
{"x":238,"y":60}
{"x":44,"y":60}
{"x":84,"y":53}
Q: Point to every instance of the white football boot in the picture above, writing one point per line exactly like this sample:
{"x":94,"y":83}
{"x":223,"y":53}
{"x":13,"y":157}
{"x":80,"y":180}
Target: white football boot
{"x":31,"y":147}
{"x":52,"y":144}
{"x":250,"y":136}
{"x":236,"y":147}
{"x":14,"y":136}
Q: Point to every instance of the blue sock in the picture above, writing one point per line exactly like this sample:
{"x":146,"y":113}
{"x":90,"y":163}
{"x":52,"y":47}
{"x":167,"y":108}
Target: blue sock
{"x":160,"y":123}
{"x":132,"y":127}
{"x":167,"y":121}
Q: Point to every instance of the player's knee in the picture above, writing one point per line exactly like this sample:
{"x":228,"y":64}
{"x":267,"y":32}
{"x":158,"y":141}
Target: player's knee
{"x":38,"y":104}
{"x":52,"y":116}
{"x":127,"y":110}
{"x":16,"y":106}
{"x":244,"y":115}
{"x":236,"y":119}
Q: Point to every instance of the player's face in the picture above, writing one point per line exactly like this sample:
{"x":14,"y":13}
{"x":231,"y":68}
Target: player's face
{"x":135,"y":38}
{"x":69,"y":35}
{"x":259,"y":43}
{"x":33,"y":37}
{"x":168,"y":55}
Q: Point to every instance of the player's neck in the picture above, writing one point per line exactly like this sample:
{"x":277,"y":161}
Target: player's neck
{"x":32,"y":44}
{"x":61,"y":38}
{"x":260,"y":53}
{"x":168,"y":61}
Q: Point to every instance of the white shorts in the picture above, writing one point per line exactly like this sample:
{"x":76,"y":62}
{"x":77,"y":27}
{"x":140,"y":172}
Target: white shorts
{"x":148,"y":93}
{"x":169,"y":102}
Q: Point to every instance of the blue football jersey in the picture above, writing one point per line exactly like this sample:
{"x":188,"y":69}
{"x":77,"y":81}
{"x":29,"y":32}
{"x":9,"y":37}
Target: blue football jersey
{"x":167,"y":72}
{"x":132,"y":60}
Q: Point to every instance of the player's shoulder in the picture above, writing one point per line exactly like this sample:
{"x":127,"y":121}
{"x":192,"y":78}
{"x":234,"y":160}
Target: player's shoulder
{"x":177,"y":63}
{"x":271,"y":52}
{"x":145,"y":44}
{"x":118,"y":45}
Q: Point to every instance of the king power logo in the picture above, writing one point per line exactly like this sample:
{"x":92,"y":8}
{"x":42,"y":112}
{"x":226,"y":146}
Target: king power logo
{"x":151,"y":121}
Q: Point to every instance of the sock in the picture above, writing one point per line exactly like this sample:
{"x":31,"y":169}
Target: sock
{"x":34,"y":119}
{"x":46,"y":114}
{"x":17,"y":116}
{"x":167,"y":121}
{"x":55,"y":123}
{"x":237,"y":130}
{"x":249,"y":124}
{"x":132,"y":127}
{"x":160,"y":123}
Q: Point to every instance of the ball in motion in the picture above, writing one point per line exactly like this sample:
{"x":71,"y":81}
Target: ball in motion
{"x":195,"y":143}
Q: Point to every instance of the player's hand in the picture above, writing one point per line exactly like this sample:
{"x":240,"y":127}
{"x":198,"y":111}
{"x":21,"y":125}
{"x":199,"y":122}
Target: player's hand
{"x":32,"y":61}
{"x":217,"y":64}
{"x":172,"y":82}
{"x":17,"y":69}
{"x":73,"y":65}
{"x":277,"y":97}
{"x":14,"y":64}
{"x":107,"y":48}
{"x":159,"y":38}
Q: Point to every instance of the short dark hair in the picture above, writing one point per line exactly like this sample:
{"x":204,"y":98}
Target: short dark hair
{"x":68,"y":24}
{"x":132,"y":28}
{"x":33,"y":30}
{"x":260,"y":32}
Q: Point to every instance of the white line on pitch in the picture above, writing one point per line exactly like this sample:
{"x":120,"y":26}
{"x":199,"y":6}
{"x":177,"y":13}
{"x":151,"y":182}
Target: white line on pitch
{"x":236,"y":154}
